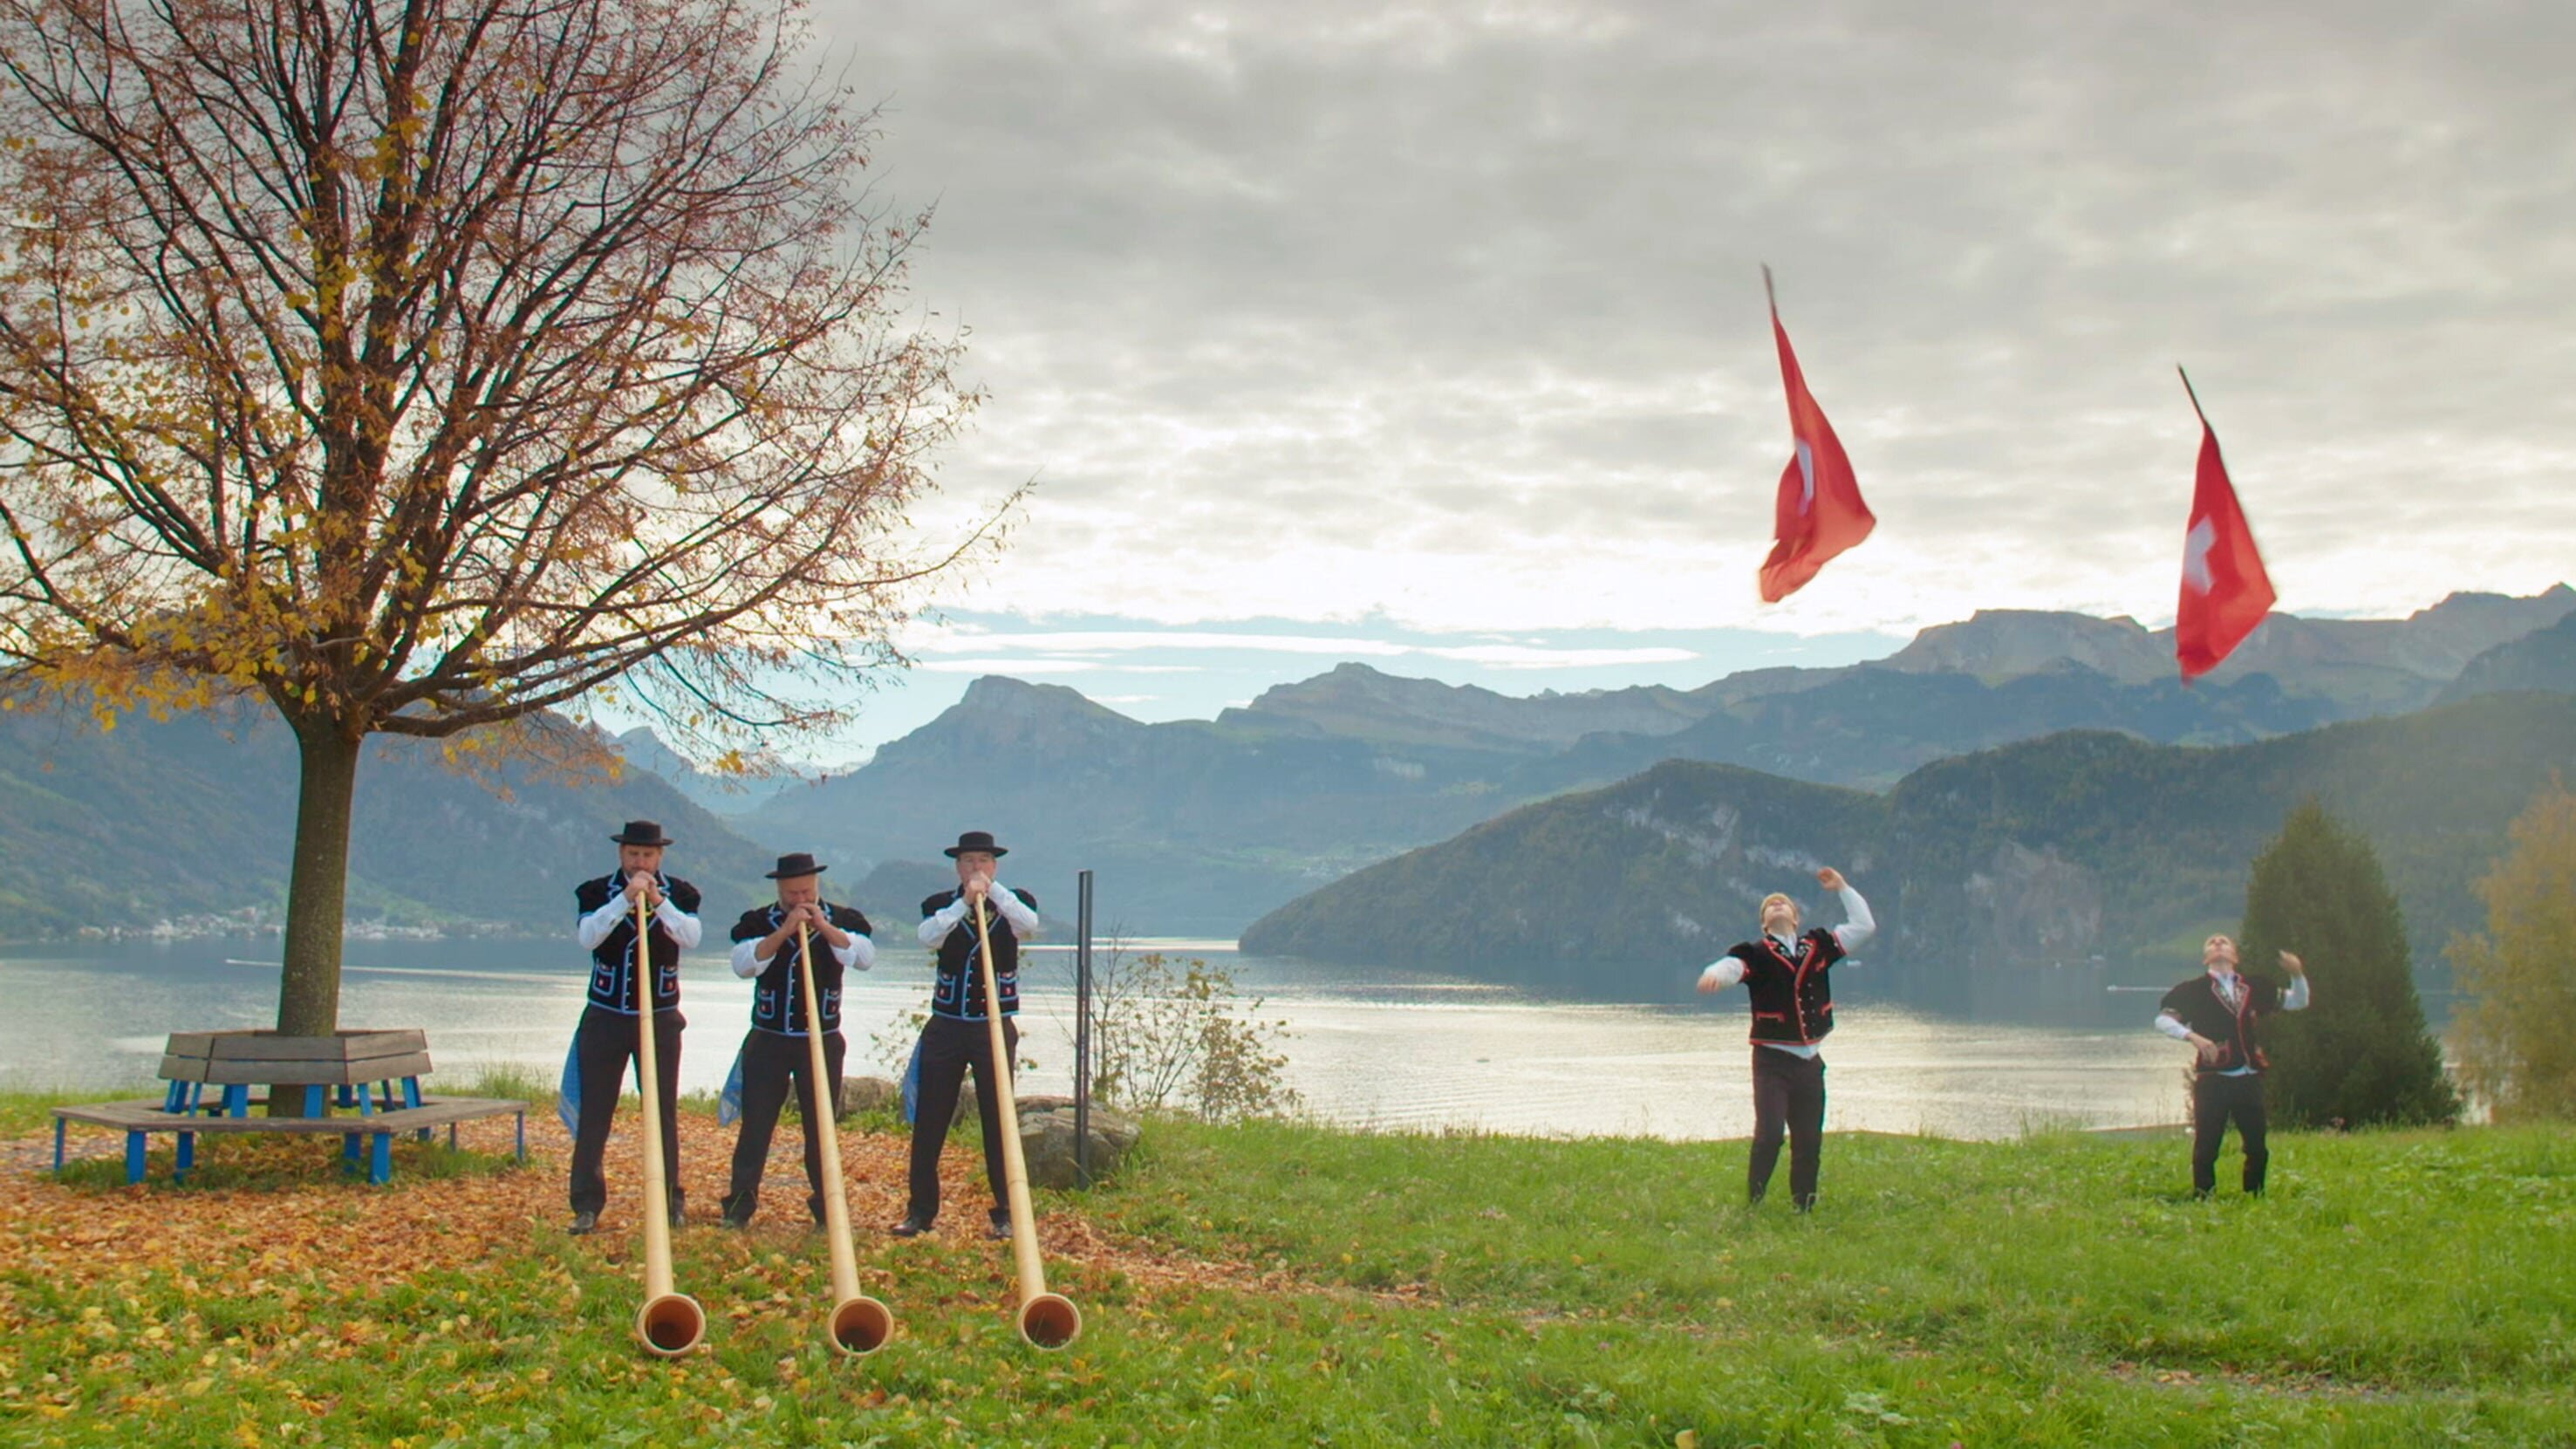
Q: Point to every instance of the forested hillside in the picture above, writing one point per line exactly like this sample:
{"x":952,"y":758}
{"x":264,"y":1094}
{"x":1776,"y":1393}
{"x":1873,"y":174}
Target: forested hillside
{"x":2055,"y":850}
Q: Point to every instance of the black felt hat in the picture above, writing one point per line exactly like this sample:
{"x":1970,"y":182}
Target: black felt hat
{"x":976,"y":840}
{"x":792,"y":866}
{"x":641,"y":832}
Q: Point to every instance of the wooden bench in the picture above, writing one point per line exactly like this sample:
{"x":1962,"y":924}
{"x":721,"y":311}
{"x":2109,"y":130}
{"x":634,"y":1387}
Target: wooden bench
{"x":343,"y":1064}
{"x":139,"y":1119}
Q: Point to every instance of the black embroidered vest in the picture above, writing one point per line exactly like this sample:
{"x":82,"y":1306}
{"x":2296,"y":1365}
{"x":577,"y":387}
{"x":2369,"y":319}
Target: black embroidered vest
{"x":2237,"y":1029}
{"x":959,"y":992}
{"x":778,"y":992}
{"x":612,"y":961}
{"x":1793,"y":993}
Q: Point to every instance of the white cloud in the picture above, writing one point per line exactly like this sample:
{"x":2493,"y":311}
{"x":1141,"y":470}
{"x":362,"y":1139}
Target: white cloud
{"x":998,"y":665}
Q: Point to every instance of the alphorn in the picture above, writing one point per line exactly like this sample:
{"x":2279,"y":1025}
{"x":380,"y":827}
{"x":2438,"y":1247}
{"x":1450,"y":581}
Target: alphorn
{"x":670,"y":1323}
{"x":1047,"y":1320}
{"x":857,"y":1323}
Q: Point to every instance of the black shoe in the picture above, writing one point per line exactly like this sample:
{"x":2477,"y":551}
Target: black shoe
{"x":679,"y":1214}
{"x":738,"y":1224}
{"x":912,"y":1226}
{"x":583,"y":1224}
{"x":999,"y":1230}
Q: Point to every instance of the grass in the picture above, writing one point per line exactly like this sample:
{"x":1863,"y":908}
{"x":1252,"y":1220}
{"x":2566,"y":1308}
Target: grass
{"x":1289,"y":1284}
{"x":25,"y":1111}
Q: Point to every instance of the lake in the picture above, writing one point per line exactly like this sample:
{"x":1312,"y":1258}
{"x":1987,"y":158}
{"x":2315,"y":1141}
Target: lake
{"x":1378,"y":1047}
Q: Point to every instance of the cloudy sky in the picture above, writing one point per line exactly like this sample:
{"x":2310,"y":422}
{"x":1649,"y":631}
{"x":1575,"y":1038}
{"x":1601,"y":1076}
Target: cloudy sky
{"x":1433,"y":335}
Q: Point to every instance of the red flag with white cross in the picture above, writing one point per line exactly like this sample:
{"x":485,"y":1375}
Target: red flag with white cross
{"x":1818,"y":512}
{"x":2225,"y":591}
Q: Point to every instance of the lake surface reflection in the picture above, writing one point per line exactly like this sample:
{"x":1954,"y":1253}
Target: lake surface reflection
{"x":1386,"y":1047}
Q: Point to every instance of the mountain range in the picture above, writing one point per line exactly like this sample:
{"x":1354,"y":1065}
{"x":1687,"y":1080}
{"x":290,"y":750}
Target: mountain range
{"x":1204,"y":825}
{"x":1196,"y":826}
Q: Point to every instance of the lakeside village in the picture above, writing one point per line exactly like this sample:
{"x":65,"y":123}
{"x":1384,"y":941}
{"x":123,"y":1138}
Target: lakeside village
{"x":266,"y":923}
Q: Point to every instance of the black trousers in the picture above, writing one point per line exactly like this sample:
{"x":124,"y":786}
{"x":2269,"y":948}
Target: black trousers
{"x":770,"y":1060}
{"x":1788,"y":1096}
{"x":602,"y":1046}
{"x":948,"y":1047}
{"x":2216,"y":1097}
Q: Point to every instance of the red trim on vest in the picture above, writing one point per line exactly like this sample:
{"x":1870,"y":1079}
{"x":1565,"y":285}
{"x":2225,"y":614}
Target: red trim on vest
{"x":2246,"y":1017}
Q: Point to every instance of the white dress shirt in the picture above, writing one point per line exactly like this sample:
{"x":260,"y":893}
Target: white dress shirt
{"x":859,"y":955}
{"x":1024,"y":922}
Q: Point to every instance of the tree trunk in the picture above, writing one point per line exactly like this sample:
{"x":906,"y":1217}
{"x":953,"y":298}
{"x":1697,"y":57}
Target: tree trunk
{"x":308,"y":990}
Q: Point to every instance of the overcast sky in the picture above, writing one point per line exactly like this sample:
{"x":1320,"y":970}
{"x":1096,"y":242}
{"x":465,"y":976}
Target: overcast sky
{"x":1439,"y":329}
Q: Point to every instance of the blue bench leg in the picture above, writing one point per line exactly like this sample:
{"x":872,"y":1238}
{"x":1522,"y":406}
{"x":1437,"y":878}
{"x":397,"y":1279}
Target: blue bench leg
{"x":380,"y":1157}
{"x":133,"y":1157}
{"x":187,"y":1156}
{"x":349,"y":1149}
{"x":175,"y":1099}
{"x":236,"y":1101}
{"x":451,"y":1136}
{"x":523,"y":1137}
{"x":58,"y":1146}
{"x":313,"y":1100}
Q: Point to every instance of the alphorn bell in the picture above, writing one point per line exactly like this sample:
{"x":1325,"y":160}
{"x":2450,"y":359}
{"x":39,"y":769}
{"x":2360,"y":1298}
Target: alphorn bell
{"x":857,"y":1323}
{"x":669,"y":1324}
{"x":1047,"y":1320}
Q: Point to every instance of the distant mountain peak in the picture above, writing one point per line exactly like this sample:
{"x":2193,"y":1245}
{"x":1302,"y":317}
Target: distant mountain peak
{"x":1363,"y":702}
{"x":1000,"y":694}
{"x":1995,"y":644}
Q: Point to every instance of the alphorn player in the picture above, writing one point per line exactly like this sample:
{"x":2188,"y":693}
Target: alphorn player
{"x":1789,"y":975}
{"x":775,"y":1051}
{"x":2220,"y":1015}
{"x":957,"y":1037}
{"x":606,"y":1040}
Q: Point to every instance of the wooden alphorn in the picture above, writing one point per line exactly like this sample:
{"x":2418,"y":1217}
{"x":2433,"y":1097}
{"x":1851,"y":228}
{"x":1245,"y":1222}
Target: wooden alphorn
{"x":857,"y":1324}
{"x":670,"y":1323}
{"x":1047,"y":1320}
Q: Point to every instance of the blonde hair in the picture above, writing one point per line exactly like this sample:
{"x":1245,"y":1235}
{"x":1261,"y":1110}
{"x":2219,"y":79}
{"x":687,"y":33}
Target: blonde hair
{"x":1777,"y":896}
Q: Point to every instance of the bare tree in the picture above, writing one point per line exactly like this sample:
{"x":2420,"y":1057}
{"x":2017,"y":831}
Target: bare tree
{"x":423,"y":365}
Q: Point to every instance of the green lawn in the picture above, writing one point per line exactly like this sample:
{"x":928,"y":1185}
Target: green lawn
{"x":1283,"y":1284}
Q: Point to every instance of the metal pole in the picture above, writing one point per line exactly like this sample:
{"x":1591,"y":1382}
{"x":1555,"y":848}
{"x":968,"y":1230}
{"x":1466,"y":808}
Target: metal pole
{"x":1082,"y":1029}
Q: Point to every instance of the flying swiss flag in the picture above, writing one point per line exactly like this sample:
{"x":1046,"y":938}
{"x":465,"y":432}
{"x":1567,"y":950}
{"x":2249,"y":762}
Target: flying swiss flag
{"x":1819,"y":512}
{"x":2225,"y":592}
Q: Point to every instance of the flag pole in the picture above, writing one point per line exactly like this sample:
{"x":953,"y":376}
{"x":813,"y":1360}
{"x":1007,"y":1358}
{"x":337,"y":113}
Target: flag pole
{"x":2208,"y":432}
{"x":1768,"y":295}
{"x":2187,"y":391}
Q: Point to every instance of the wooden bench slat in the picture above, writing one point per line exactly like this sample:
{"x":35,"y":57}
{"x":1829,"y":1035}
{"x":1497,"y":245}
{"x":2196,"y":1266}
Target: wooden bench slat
{"x":347,"y":1046}
{"x":295,"y":1073}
